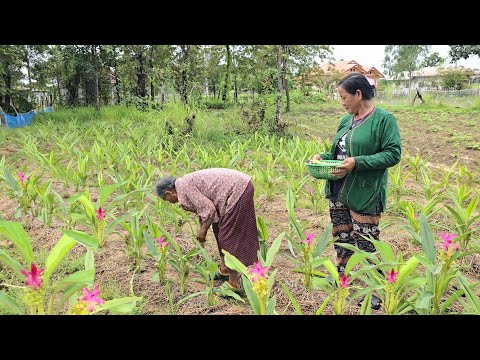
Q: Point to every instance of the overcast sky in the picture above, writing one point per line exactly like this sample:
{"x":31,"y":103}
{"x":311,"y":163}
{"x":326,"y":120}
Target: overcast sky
{"x":372,"y":55}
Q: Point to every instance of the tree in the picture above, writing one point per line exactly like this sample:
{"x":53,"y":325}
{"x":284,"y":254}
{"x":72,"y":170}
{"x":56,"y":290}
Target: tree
{"x":404,"y":58}
{"x":455,"y":78}
{"x":226,"y":85}
{"x":11,"y":57}
{"x":298,"y":57}
{"x":280,"y":85}
{"x":458,"y":52}
{"x":94,"y":51}
{"x":433,"y":60}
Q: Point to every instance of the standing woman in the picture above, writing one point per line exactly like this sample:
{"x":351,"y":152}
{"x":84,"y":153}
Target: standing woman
{"x":368,"y":142}
{"x":222,"y":198}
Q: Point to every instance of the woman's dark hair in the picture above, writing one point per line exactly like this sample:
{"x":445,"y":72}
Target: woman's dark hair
{"x":353,"y":82}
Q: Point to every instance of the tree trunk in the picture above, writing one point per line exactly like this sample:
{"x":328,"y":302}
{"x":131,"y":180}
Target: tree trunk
{"x":117,"y":84}
{"x":7,"y":78}
{"x":184,"y":83}
{"x":95,"y":69}
{"x":141,"y":76}
{"x":59,"y":91}
{"x":226,"y":85}
{"x":280,"y":87}
{"x":235,"y":88}
{"x":27,"y":60}
{"x":409,"y":81}
{"x":152,"y":91}
{"x":287,"y":94}
{"x":284,"y":77}
{"x":162,"y":94}
{"x":117,"y":81}
{"x":152,"y":86}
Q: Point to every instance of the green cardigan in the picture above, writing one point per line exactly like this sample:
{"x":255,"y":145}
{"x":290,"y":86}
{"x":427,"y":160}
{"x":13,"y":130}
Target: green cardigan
{"x":375,"y":145}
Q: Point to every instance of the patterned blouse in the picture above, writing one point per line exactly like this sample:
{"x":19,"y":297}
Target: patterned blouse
{"x":211,"y":193}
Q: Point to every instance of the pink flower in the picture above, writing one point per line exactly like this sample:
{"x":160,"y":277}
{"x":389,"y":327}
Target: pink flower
{"x":33,"y":277}
{"x":448,"y":241}
{"x":161,"y":241}
{"x":392,"y":276}
{"x":344,"y":281}
{"x":101,"y":213}
{"x":22,"y":177}
{"x":92,"y":298}
{"x":258,"y":271}
{"x":309,"y":238}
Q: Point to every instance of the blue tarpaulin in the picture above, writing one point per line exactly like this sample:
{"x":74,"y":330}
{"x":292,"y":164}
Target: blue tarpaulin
{"x":23,"y":119}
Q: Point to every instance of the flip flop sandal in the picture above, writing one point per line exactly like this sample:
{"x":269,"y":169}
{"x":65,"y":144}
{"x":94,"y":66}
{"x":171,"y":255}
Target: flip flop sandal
{"x":375,"y":302}
{"x":219,"y":276}
{"x":220,"y":290}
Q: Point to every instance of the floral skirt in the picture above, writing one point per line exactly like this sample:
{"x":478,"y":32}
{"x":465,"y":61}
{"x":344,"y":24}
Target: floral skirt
{"x":349,"y":226}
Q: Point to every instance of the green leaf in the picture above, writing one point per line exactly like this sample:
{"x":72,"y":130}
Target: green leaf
{"x":290,"y":200}
{"x":149,"y":242}
{"x":251,"y":295}
{"x":67,"y":293}
{"x":365,"y":309}
{"x":233,"y":294}
{"x":82,"y":238}
{"x":262,"y":228}
{"x":366,"y":291}
{"x":274,"y":249}
{"x":171,"y":240}
{"x":423,"y":260}
{"x":423,"y":304}
{"x":406,"y":269}
{"x":322,"y":307}
{"x":331,"y":268}
{"x":10,"y":180}
{"x":428,"y":242}
{"x":233,"y":263}
{"x":61,"y":248}
{"x":450,"y":300}
{"x":270,"y":310}
{"x":384,"y":249}
{"x":15,"y":233}
{"x":323,"y":284}
{"x":74,"y":198}
{"x":297,"y":246}
{"x":470,"y":295}
{"x":122,"y":305}
{"x":354,"y":259}
{"x":83,"y":276}
{"x":317,"y":262}
{"x":10,"y":303}
{"x":89,"y":260}
{"x":297,"y":227}
{"x":77,"y":216}
{"x":11,"y":263}
{"x":105,"y":192}
{"x":323,"y":241}
{"x":271,"y":279}
{"x":292,"y":299}
{"x":190,"y":296}
{"x":87,"y":203}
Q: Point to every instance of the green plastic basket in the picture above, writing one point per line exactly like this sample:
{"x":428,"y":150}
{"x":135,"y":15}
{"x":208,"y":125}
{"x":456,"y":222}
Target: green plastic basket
{"x":323,"y":169}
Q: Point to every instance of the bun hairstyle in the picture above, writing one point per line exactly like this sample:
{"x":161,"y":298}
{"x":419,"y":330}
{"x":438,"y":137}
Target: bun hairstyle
{"x":353,"y":82}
